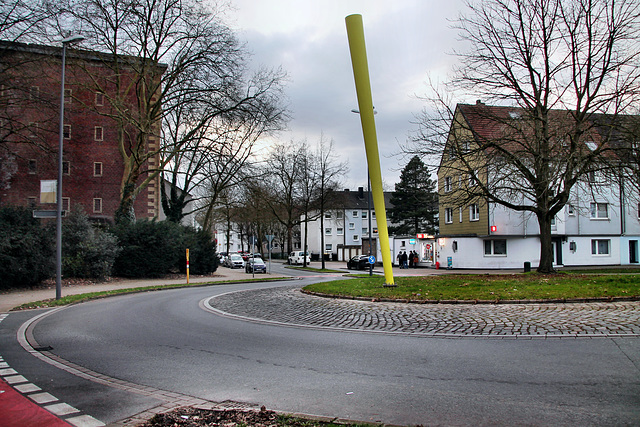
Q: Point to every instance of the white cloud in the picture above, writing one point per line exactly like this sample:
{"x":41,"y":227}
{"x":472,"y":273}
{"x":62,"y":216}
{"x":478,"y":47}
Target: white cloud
{"x":406,"y":39}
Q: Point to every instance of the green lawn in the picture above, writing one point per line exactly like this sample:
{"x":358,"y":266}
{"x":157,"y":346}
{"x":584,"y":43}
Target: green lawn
{"x":487,"y":287}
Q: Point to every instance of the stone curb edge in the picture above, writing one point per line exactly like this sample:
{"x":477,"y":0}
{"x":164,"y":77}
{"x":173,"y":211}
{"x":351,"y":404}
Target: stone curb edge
{"x":472,"y":302}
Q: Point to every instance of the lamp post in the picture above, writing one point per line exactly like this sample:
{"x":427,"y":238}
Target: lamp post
{"x":65,"y":42}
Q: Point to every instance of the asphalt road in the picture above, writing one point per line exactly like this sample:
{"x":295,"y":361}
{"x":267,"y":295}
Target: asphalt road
{"x":168,"y":342}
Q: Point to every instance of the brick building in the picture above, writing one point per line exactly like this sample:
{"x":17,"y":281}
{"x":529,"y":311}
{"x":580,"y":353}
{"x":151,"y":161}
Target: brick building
{"x":93,"y":166}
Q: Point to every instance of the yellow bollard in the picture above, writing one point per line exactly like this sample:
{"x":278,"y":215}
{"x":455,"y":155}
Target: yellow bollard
{"x":187,"y":266}
{"x":355,"y":34}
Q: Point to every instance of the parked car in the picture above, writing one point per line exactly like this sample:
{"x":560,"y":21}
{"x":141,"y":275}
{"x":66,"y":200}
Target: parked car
{"x":297,"y":257}
{"x":234,"y":261}
{"x":222,"y":257}
{"x":358,"y":262}
{"x":255,"y":265}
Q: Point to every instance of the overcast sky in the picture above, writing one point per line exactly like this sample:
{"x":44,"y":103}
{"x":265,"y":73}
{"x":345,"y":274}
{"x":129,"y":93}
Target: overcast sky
{"x":407,"y":41}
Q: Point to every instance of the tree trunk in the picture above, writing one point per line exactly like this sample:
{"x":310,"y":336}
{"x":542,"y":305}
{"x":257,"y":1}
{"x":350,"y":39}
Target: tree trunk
{"x":546,"y":245}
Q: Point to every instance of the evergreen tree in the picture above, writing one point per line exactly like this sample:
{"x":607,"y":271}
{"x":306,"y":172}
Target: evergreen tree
{"x":415,"y":201}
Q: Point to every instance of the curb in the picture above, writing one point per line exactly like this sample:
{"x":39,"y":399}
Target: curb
{"x":473,"y":302}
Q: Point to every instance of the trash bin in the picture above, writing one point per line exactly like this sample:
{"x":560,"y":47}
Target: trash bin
{"x":527,"y":267}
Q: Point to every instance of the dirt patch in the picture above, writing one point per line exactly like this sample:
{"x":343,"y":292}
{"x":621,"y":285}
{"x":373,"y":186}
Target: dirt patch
{"x":194,"y":417}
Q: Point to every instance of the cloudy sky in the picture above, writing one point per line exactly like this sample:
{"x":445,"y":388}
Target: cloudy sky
{"x":407,"y":41}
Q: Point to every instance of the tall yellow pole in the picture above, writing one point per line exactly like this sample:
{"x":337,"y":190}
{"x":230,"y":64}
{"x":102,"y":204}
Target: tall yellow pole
{"x":355,"y":33}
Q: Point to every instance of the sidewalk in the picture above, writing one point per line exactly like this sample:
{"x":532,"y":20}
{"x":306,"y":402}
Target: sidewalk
{"x":16,"y":298}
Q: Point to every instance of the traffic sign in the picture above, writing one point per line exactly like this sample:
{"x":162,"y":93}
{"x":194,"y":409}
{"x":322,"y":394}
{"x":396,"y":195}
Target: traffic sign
{"x":372,"y":259}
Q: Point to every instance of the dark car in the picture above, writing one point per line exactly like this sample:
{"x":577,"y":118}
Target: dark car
{"x":358,"y":262}
{"x":255,"y":265}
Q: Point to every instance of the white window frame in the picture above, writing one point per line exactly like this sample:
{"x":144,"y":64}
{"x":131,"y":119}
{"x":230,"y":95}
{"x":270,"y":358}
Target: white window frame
{"x":97,"y":205}
{"x":448,"y":215}
{"x":356,"y":238}
{"x":447,"y":184}
{"x":98,"y":133}
{"x":99,"y":99}
{"x":355,"y":214}
{"x":97,"y":169}
{"x":352,"y":226}
{"x":66,"y":131}
{"x":339,"y":231}
{"x":594,"y":211}
{"x":492,"y":248}
{"x":571,"y":210}
{"x":474,"y":212}
{"x":460,"y":210}
{"x":328,"y":231}
{"x":595,"y":247}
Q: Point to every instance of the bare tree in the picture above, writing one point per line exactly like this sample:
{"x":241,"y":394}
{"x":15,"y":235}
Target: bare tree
{"x":559,"y":65}
{"x":330,"y":172}
{"x":284,"y":174}
{"x":163,"y":54}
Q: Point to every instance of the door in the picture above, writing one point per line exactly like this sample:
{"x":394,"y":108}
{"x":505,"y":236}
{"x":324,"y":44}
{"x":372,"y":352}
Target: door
{"x":557,"y":251}
{"x":633,"y":251}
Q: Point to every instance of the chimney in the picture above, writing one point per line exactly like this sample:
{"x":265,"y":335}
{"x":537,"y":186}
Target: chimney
{"x":478,"y":102}
{"x":360,"y":192}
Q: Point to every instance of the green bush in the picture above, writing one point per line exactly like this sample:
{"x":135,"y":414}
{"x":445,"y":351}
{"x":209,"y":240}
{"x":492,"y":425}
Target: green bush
{"x":149,"y":248}
{"x":154,"y":249}
{"x":86,"y":250}
{"x":27,"y":249}
{"x":202,"y":252}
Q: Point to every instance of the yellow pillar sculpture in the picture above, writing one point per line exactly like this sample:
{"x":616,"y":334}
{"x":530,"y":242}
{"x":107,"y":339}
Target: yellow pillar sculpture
{"x":355,"y":33}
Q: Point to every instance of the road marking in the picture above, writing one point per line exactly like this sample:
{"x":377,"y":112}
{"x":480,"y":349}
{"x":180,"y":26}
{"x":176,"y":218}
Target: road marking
{"x":43,"y":399}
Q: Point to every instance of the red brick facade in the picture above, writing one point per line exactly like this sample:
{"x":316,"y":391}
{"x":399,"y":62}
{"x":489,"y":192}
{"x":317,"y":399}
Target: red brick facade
{"x":29,"y":114}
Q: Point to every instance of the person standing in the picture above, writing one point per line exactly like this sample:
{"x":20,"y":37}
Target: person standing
{"x":411,"y":259}
{"x":404,"y":259}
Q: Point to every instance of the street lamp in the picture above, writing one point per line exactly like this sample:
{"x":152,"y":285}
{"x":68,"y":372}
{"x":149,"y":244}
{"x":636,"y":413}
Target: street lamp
{"x":65,"y":42}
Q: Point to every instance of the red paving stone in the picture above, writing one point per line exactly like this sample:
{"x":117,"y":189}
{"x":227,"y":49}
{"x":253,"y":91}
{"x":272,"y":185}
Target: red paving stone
{"x":17,"y":410}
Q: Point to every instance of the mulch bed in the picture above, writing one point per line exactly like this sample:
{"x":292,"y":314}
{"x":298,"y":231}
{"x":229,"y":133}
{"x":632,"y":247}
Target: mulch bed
{"x":194,"y":417}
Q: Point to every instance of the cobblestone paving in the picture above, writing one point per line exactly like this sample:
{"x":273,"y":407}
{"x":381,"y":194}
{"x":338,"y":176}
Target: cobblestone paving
{"x":290,"y":306}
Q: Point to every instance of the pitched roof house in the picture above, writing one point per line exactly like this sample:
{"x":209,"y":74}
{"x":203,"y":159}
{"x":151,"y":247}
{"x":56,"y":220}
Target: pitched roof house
{"x":598,"y":224}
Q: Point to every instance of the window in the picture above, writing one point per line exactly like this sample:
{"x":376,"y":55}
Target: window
{"x":496,"y":247}
{"x":460,"y":210}
{"x":447,"y":184}
{"x":32,"y":166}
{"x":600,"y":247}
{"x":474,"y":212}
{"x":352,"y":226}
{"x":571,"y":210}
{"x":327,"y":215}
{"x":327,"y":231}
{"x":448,"y":215}
{"x":66,"y":131}
{"x":375,"y":230}
{"x":473,"y":181}
{"x":32,"y":202}
{"x":599,"y":210}
{"x":97,"y":169}
{"x":33,"y":129}
{"x":364,"y":214}
{"x":356,"y":238}
{"x":328,"y":247}
{"x":355,"y":214}
{"x":66,"y":204}
{"x":67,"y":96}
{"x":97,"y":133}
{"x":66,"y":168}
{"x":452,"y":151}
{"x":339,"y":214}
{"x":365,"y":231}
{"x":339,"y":231}
{"x":99,"y":99}
{"x":97,"y":205}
